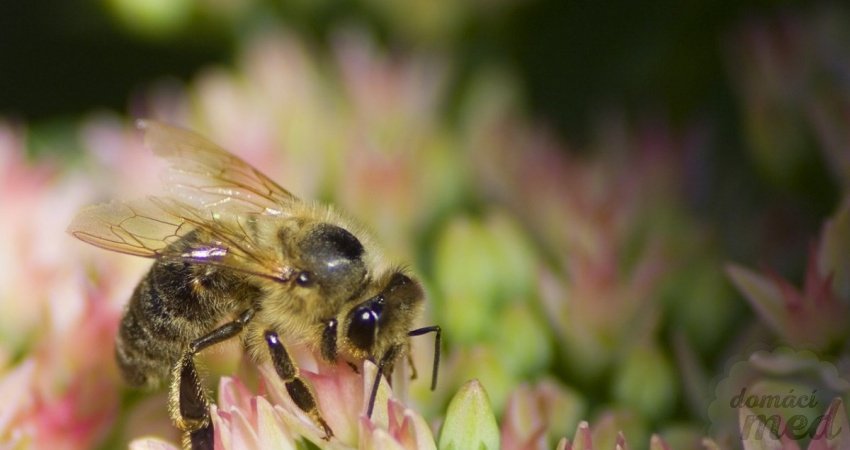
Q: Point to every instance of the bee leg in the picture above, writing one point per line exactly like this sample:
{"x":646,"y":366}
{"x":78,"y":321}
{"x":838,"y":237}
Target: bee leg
{"x":413,"y":373}
{"x":200,"y":439}
{"x":438,"y":332}
{"x":298,"y":390}
{"x":188,"y":402}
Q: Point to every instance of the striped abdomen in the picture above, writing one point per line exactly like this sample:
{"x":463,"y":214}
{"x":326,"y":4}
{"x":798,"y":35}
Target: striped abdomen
{"x":174,"y":304}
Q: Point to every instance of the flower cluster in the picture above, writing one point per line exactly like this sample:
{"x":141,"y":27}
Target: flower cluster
{"x":814,"y":317}
{"x":56,"y":391}
{"x":583,"y":303}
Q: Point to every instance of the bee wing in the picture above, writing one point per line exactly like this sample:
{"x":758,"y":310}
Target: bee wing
{"x":208,"y":176}
{"x":152,"y":226}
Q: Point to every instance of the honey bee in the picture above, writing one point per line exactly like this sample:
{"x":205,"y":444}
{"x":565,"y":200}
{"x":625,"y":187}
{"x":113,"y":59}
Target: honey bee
{"x":237,"y":255}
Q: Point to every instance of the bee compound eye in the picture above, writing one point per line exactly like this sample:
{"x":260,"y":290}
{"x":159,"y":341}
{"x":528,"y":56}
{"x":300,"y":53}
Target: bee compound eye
{"x":361,"y":330}
{"x":363,"y":323}
{"x":304,"y":279}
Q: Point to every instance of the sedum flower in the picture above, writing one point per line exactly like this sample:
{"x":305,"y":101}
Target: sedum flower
{"x":537,"y":415}
{"x":586,"y":438}
{"x":59,"y":396}
{"x":812,"y":317}
{"x":581,"y":246}
{"x":611,"y":230}
{"x":815,"y":316}
{"x":57,"y":385}
{"x":268,"y":418}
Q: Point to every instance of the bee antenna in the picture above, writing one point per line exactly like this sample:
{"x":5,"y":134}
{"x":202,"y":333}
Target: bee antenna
{"x":437,"y":338}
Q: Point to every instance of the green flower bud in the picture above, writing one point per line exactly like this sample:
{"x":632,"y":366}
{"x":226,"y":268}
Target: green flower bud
{"x":470,"y":423}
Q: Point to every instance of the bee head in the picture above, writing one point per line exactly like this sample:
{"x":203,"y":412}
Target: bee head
{"x":373,"y":326}
{"x":332,"y":259}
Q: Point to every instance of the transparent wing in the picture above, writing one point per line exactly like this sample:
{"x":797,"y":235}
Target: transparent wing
{"x":207,"y":176}
{"x":154,"y":227}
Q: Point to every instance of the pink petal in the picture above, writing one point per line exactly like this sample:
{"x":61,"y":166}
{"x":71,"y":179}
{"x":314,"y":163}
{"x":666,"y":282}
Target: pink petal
{"x":621,"y":442}
{"x":373,"y":437}
{"x":423,"y":437}
{"x":271,"y":431}
{"x":656,"y":443}
{"x":582,"y":440}
{"x":524,"y":425}
{"x":409,"y":428}
{"x":222,"y":436}
{"x":340,"y":398}
{"x":151,"y":444}
{"x":232,"y":393}
{"x":294,"y":419}
{"x":243,"y":434}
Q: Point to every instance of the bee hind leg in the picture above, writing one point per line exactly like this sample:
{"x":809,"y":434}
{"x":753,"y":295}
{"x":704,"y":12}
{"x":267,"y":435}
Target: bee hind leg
{"x":188,"y":401}
{"x":298,"y":390}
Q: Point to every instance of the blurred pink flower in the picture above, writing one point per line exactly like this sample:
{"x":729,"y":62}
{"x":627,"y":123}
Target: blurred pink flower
{"x":394,"y":100}
{"x":62,"y":392}
{"x":586,"y":438}
{"x":272,"y":109}
{"x":612,"y":221}
{"x":61,"y":396}
{"x":32,"y":208}
{"x":535,"y":415}
{"x":118,"y":164}
{"x":389,"y":158}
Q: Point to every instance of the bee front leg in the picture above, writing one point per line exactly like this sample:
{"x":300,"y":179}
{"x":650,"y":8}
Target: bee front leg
{"x":187,"y":399}
{"x":298,"y":390}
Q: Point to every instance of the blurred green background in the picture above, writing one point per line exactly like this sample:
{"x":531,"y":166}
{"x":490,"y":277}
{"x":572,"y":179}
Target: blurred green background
{"x":572,"y":58}
{"x":574,"y":62}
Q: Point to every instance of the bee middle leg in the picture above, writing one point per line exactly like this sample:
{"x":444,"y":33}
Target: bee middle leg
{"x":188,"y":402}
{"x":298,"y":390}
